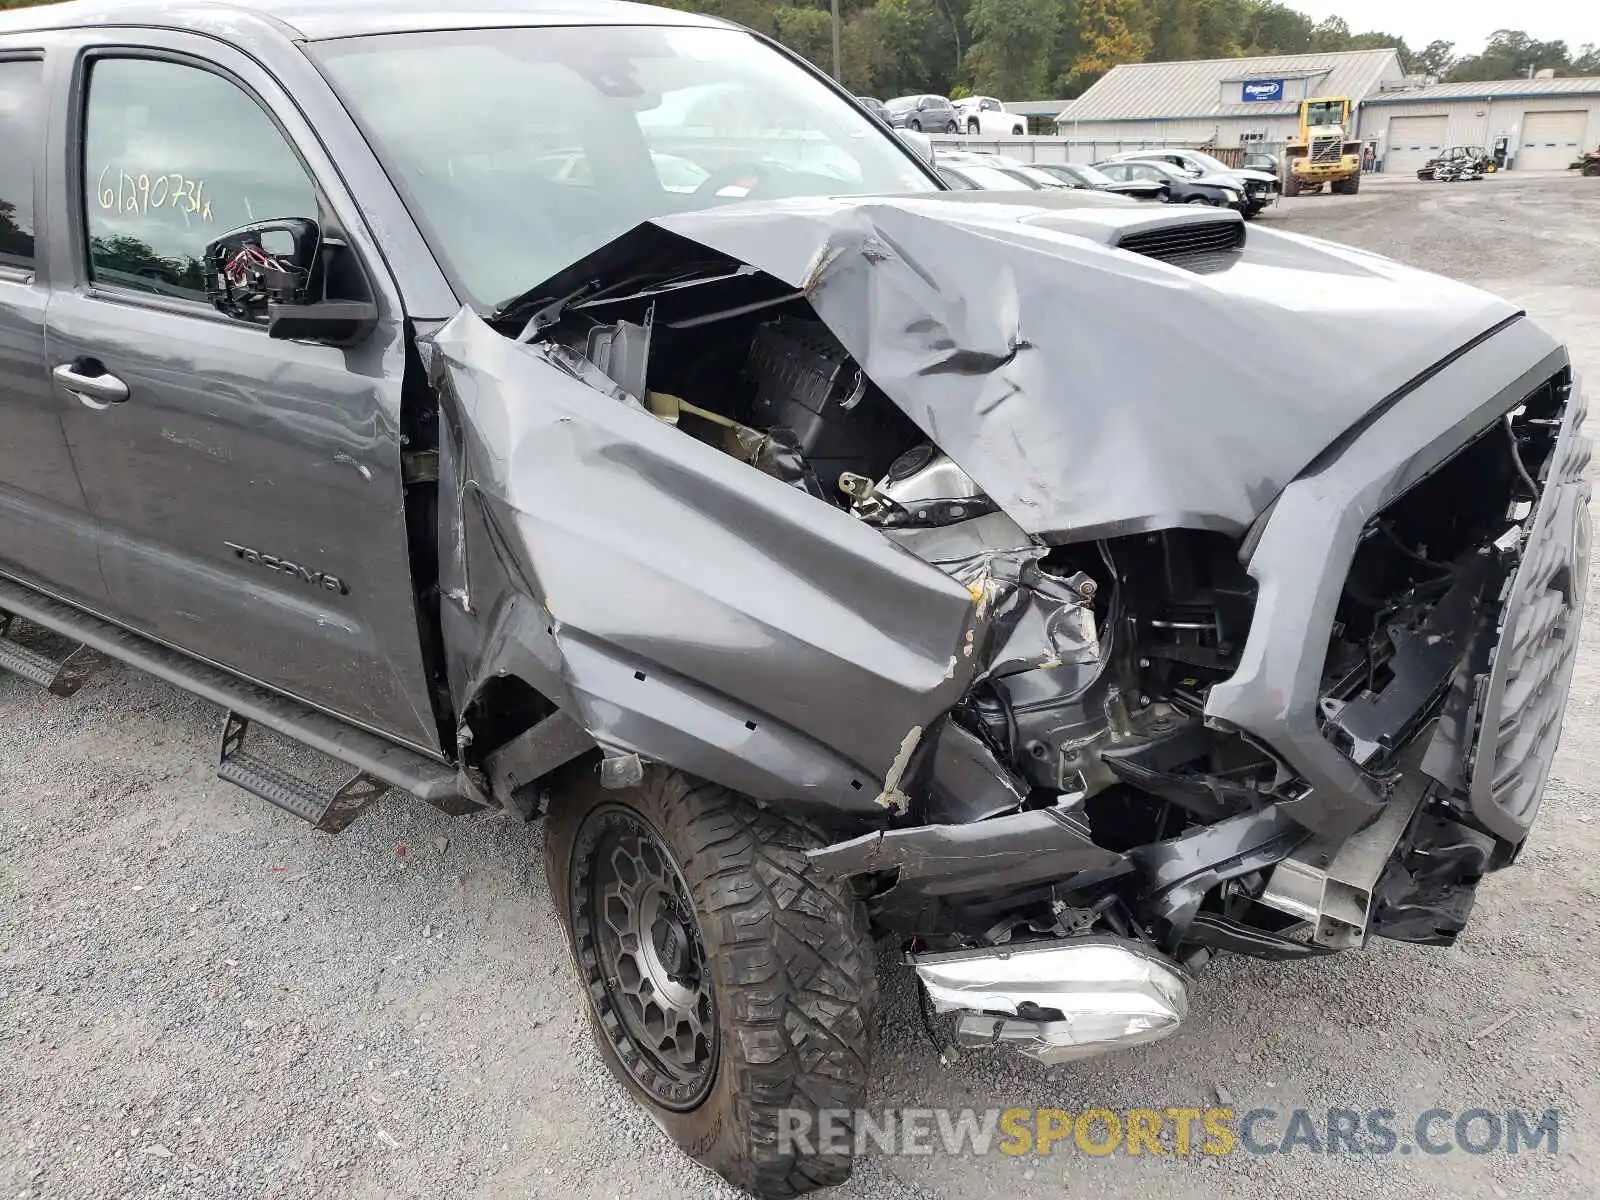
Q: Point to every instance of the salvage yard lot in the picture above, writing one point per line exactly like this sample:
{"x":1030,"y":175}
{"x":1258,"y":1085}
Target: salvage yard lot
{"x":200,"y":996}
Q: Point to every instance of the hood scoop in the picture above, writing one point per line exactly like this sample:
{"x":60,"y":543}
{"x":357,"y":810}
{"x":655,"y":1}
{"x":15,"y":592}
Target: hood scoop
{"x":1204,"y":241}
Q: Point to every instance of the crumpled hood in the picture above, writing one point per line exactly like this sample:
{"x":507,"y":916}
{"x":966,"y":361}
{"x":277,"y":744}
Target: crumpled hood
{"x":1089,"y":390}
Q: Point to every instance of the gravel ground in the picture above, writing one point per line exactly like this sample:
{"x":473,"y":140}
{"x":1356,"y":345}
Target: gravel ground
{"x":200,"y":996}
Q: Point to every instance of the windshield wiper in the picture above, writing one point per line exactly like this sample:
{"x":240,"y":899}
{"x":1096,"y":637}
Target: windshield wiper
{"x":544,"y":316}
{"x":549,"y":312}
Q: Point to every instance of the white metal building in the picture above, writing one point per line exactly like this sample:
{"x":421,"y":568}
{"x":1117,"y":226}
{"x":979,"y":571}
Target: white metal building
{"x":1225,"y":101}
{"x":1546,"y":122}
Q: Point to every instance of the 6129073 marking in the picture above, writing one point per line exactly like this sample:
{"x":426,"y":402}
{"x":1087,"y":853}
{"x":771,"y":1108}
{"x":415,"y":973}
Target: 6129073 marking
{"x":143,"y":192}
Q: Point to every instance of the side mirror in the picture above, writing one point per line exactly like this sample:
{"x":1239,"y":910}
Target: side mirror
{"x":275,"y":272}
{"x":919,"y":142}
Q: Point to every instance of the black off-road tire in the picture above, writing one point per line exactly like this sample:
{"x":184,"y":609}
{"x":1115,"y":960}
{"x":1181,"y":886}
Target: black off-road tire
{"x":1347,"y":187}
{"x":789,"y":959}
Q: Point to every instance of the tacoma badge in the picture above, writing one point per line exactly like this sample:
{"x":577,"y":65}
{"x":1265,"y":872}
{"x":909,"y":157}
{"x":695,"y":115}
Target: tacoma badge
{"x":321,"y":579}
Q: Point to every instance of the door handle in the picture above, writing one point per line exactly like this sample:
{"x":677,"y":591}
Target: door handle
{"x":91,"y":383}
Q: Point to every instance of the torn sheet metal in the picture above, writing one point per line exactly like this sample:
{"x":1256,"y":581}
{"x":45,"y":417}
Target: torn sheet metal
{"x":1087,"y":390}
{"x":686,"y":607}
{"x":1008,"y":852}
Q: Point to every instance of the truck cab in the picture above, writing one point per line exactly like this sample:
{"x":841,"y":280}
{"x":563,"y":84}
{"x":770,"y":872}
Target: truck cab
{"x":986,"y":115}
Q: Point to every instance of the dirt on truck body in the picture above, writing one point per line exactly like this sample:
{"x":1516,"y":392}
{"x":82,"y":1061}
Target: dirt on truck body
{"x":824,"y":556}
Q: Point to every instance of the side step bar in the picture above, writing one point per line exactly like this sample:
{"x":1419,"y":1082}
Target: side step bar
{"x":330,"y":811}
{"x":60,"y":677}
{"x":384,"y":761}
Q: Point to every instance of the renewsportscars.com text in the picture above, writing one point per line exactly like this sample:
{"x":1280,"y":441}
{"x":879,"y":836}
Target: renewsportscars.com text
{"x":1171,"y":1131}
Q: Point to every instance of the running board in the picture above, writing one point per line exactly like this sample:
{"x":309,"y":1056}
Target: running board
{"x":60,"y":677}
{"x":330,"y":811}
{"x":386,"y":762}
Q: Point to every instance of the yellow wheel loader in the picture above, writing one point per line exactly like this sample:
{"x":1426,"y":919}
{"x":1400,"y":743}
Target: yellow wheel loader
{"x":1324,"y":152}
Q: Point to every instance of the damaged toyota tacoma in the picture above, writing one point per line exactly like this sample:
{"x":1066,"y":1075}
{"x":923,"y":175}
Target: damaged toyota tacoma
{"x":1032,"y":592}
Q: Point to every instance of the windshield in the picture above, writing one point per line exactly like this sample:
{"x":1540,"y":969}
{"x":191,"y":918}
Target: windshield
{"x":520,"y":151}
{"x":1205,"y":163}
{"x":1093,"y":176}
{"x":1325,"y":112}
{"x":1039,"y":179}
{"x":1132,"y":170}
{"x":993,"y":179}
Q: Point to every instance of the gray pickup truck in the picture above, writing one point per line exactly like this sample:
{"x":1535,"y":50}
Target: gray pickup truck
{"x":591,"y":413}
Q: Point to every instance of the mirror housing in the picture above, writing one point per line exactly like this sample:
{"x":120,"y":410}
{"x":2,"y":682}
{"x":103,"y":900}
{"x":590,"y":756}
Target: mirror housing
{"x":334,"y":322}
{"x":244,"y":271}
{"x":919,"y":142}
{"x":274,"y":273}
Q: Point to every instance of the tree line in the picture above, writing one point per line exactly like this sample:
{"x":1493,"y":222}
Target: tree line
{"x":1037,"y":49}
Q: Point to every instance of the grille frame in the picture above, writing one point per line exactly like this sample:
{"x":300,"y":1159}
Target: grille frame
{"x":1326,"y":150}
{"x":1519,"y":705}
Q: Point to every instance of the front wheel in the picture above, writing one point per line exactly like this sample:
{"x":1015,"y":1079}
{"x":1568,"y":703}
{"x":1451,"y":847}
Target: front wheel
{"x":1199,"y":200}
{"x":729,"y":986}
{"x":972,"y":128}
{"x":952,"y":127}
{"x":914,"y":125}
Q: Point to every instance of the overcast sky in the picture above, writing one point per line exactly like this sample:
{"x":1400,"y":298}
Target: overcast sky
{"x":1467,"y":23}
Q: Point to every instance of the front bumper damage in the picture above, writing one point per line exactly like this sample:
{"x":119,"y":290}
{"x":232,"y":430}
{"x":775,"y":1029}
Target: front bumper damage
{"x":1354,"y":854}
{"x":1127,"y":697}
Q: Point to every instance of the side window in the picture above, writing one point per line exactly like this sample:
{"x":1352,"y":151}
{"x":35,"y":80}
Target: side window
{"x":19,"y":150}
{"x":173,"y":157}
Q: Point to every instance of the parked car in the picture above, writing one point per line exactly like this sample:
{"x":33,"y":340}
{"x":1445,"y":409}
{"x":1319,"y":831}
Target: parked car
{"x":1179,"y":186}
{"x":985,"y":114}
{"x":1078,"y":175}
{"x":828,"y":561}
{"x":1260,"y":188}
{"x":925,"y":114}
{"x":1020,"y":172}
{"x":980,"y":176}
{"x":1043,"y":181}
{"x":984,"y":171}
{"x":1268,"y":163}
{"x":875,"y":107}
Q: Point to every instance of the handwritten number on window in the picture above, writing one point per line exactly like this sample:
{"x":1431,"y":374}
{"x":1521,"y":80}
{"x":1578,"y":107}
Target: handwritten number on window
{"x":143,"y":193}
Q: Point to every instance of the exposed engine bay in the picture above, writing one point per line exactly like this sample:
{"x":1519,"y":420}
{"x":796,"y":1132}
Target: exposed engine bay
{"x":1099,"y":656}
{"x":1143,"y":748}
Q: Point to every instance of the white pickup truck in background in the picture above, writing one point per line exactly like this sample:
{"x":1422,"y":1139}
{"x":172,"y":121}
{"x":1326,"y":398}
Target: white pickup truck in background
{"x":985,"y":114}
